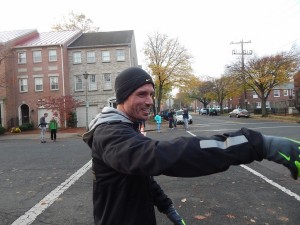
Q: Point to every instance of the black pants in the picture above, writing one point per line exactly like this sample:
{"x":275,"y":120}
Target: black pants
{"x":53,"y":134}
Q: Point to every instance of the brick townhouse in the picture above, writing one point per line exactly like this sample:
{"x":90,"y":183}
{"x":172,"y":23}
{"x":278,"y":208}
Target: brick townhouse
{"x":53,"y":63}
{"x":280,"y":98}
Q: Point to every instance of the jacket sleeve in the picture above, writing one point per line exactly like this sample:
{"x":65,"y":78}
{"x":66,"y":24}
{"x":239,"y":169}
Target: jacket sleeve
{"x":129,"y":152}
{"x":160,"y":199}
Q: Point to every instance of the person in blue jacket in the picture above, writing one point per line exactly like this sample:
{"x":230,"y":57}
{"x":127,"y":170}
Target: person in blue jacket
{"x":157,"y":118}
{"x":124,"y":161}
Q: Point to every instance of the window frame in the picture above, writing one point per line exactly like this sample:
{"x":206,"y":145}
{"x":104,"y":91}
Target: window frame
{"x":22,"y":57}
{"x":107,"y":85}
{"x":92,"y":85}
{"x":76,"y":57}
{"x":52,"y":57}
{"x":36,"y":84}
{"x":276,"y":93}
{"x":22,"y":85}
{"x":51,"y":79}
{"x":78,"y":78}
{"x":37,"y":58}
{"x":90,"y":57}
{"x":120,"y":57}
{"x":104,"y":57}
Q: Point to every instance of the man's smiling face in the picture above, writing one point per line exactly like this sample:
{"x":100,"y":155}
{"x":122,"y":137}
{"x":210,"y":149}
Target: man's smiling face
{"x":137,"y":106}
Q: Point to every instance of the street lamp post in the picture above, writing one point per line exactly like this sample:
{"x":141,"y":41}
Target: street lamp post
{"x":86,"y":75}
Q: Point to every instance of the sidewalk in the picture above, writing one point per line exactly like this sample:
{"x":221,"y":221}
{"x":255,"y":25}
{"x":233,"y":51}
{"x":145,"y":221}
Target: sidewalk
{"x":35,"y":134}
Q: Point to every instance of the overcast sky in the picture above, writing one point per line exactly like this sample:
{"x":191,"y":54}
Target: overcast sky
{"x":205,"y":27}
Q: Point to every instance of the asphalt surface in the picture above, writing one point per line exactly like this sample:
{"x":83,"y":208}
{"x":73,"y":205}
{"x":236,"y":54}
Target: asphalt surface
{"x":30,"y":171}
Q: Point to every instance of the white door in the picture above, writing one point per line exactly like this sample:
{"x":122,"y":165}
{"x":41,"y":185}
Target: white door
{"x":81,"y":115}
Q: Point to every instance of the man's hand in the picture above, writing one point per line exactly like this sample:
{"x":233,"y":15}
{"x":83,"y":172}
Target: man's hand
{"x":284,"y":151}
{"x":174,"y":216}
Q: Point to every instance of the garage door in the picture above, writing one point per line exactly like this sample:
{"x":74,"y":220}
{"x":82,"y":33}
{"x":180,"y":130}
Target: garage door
{"x":81,"y":115}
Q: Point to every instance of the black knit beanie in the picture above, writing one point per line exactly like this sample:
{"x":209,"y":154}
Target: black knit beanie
{"x":128,"y":81}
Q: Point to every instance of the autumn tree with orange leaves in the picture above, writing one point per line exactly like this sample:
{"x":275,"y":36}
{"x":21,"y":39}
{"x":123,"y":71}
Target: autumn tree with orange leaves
{"x":265,"y":73}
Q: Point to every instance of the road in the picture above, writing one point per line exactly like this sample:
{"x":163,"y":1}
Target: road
{"x":52,"y":184}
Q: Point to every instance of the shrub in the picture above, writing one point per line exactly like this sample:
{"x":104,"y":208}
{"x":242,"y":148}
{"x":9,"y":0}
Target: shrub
{"x":2,"y":129}
{"x":27,"y":126}
{"x":15,"y":130}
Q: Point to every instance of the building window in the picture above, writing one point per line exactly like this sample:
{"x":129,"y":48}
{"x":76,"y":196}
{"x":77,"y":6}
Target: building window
{"x":76,"y":57}
{"x":276,"y":93}
{"x":90,"y":57}
{"x":285,"y":92}
{"x":37,"y":56}
{"x":258,"y":105}
{"x":105,"y":56}
{"x":23,"y":84}
{"x":52,"y":55}
{"x":21,"y":57}
{"x":92,"y":82}
{"x":53,"y":83}
{"x":254,"y":94}
{"x":78,"y":83}
{"x":107,"y":81}
{"x":120,"y":55}
{"x":38,"y":83}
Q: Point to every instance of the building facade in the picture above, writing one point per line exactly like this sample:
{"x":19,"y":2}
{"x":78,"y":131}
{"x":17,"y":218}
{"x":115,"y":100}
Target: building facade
{"x":52,"y":64}
{"x":101,"y":56}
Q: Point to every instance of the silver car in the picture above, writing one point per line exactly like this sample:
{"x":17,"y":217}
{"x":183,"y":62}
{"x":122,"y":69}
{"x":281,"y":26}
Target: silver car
{"x":239,"y":113}
{"x":179,"y":117}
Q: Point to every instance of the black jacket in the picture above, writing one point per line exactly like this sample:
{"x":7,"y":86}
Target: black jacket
{"x":124,"y":162}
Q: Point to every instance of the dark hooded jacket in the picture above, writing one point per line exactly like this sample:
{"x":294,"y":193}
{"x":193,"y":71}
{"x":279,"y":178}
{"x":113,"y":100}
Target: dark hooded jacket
{"x":124,"y":161}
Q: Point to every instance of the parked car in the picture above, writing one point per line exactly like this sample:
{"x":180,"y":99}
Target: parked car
{"x":203,"y":111}
{"x":213,"y":112}
{"x":239,"y":113}
{"x":179,"y":117}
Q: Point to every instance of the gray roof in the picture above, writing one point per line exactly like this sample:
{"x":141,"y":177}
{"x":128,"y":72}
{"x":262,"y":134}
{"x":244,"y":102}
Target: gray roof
{"x":6,"y":36}
{"x":103,"y":39}
{"x":288,"y":85}
{"x":50,"y":38}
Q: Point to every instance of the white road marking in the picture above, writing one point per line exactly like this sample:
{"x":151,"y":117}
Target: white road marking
{"x":253,"y":128}
{"x":285,"y":190}
{"x":40,"y":207}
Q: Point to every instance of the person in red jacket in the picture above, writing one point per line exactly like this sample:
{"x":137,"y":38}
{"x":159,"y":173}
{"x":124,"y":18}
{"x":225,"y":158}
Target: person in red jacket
{"x":124,"y":161}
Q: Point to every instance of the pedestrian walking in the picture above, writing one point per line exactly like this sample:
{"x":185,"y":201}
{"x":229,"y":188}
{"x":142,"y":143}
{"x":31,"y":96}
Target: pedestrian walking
{"x":174,"y":118}
{"x":124,"y":161}
{"x":158,"y":122}
{"x":43,"y":126}
{"x":185,"y":117}
{"x":53,"y":129}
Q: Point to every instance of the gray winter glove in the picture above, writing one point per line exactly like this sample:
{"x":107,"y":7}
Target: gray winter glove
{"x":174,"y":216}
{"x":284,"y":151}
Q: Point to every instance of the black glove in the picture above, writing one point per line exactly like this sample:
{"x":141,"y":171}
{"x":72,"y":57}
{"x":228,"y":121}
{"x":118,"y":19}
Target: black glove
{"x":284,"y":151}
{"x":174,"y":216}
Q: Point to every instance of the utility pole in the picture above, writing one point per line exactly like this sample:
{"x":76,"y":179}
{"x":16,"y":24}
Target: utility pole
{"x":242,"y":53}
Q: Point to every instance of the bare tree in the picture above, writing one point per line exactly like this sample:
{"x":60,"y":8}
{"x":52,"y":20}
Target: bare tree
{"x":169,"y":62}
{"x":76,"y":21}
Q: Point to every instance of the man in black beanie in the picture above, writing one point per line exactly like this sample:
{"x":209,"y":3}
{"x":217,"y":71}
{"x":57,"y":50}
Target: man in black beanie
{"x":125,"y":161}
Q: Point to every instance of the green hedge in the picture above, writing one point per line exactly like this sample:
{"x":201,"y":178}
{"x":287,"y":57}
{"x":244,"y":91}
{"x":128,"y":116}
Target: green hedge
{"x":2,"y":129}
{"x":27,"y":126}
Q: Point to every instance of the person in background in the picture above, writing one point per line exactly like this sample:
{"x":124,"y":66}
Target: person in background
{"x":53,"y":129}
{"x":171,"y":119}
{"x":43,"y":125}
{"x":185,"y":117}
{"x":124,"y":162}
{"x":158,"y":121}
{"x":174,"y":118}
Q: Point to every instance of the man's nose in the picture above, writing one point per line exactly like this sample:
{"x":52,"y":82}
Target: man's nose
{"x":149,"y":100}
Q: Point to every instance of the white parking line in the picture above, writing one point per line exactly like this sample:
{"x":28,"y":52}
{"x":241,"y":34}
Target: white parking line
{"x":283,"y":189}
{"x":40,"y":207}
